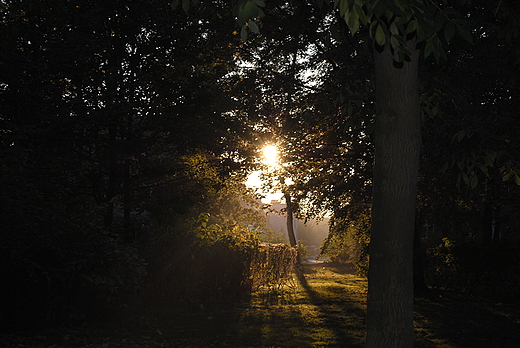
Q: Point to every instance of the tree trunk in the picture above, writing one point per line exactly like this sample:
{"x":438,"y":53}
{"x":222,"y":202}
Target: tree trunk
{"x":397,"y":146}
{"x":419,"y":283}
{"x":290,"y":226}
{"x":127,"y":231}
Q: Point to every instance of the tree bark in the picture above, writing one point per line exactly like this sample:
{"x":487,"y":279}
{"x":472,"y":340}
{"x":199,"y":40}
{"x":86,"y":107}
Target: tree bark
{"x":419,"y":283}
{"x":290,"y":226}
{"x":397,"y":146}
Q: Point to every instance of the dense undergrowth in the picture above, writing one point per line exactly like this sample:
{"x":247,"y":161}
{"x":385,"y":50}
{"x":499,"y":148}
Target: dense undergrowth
{"x":323,"y":306}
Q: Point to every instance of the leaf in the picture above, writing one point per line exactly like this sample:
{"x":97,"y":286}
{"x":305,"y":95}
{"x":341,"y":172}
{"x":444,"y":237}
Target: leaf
{"x":439,"y":21}
{"x":517,"y":179}
{"x":461,"y":135}
{"x":444,"y":167}
{"x":186,"y":5}
{"x":464,"y":32}
{"x":243,"y":33}
{"x":380,"y":35}
{"x":250,"y":10}
{"x":473,"y":181}
{"x":488,"y":161}
{"x":377,"y":7}
{"x":343,"y":8}
{"x":449,"y":31}
{"x":394,"y":42}
{"x":428,"y":49}
{"x":465,"y":178}
{"x":393,"y":29}
{"x":353,"y":22}
{"x":361,"y":14}
{"x":372,"y":30}
{"x":253,"y":26}
{"x":174,"y":4}
{"x":398,"y":56}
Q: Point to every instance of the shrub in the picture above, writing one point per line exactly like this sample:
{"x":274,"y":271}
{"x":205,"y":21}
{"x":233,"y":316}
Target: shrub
{"x":66,"y":277}
{"x":189,"y":273}
{"x":491,"y":271}
{"x":348,"y":241}
{"x":272,"y":266}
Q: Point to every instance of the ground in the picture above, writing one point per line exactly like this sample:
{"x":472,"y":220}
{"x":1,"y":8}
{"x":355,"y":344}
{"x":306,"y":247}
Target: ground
{"x":323,"y":306}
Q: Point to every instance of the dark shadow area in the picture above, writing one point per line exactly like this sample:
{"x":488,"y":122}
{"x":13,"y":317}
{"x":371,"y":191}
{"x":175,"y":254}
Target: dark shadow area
{"x":455,"y":320}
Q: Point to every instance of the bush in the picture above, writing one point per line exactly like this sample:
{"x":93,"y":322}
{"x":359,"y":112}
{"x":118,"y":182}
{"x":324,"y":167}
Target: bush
{"x":348,"y":241}
{"x":272,"y":266}
{"x":189,"y":273}
{"x":67,"y":277}
{"x":491,"y":271}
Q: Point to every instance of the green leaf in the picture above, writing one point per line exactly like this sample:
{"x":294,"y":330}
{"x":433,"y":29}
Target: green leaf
{"x":174,"y":4}
{"x":361,"y":14}
{"x":260,"y":3}
{"x":465,"y":33}
{"x":394,"y":42}
{"x":372,"y":29}
{"x":393,"y":29}
{"x":428,"y":49}
{"x":253,"y":26}
{"x":465,"y":178}
{"x":517,"y":179}
{"x":398,"y":56}
{"x":353,"y":22}
{"x":473,"y":181}
{"x":380,"y":35}
{"x":461,"y":135}
{"x":487,"y":161}
{"x":250,"y":10}
{"x":444,"y":167}
{"x":439,"y":21}
{"x":186,"y":5}
{"x":378,"y":8}
{"x":449,"y":31}
{"x":343,"y":8}
{"x":412,"y":26}
{"x":243,"y":33}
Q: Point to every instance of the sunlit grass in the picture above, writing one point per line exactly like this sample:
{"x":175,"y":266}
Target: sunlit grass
{"x":324,"y":309}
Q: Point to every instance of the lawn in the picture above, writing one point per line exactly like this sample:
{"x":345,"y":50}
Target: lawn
{"x":323,"y":306}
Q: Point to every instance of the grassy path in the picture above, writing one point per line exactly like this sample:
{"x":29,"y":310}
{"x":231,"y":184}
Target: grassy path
{"x":324,"y":307}
{"x":327,"y":307}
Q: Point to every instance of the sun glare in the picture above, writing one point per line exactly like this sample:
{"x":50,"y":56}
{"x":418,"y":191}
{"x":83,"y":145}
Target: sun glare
{"x":270,"y":155}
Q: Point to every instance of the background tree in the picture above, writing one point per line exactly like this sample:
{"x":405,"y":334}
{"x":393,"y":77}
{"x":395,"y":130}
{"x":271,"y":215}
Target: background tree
{"x":101,"y":102}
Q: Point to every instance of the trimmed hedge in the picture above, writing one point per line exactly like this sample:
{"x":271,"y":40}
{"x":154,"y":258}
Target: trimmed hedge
{"x":194,"y":274}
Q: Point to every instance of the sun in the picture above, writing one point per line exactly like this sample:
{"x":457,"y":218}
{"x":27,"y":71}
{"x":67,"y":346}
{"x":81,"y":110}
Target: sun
{"x":270,"y":155}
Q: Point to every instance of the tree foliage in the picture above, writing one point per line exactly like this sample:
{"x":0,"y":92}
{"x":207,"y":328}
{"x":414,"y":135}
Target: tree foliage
{"x":104,"y":105}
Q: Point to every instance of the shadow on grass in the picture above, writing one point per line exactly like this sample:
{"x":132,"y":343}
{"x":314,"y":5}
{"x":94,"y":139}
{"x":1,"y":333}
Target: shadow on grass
{"x":322,"y":310}
{"x":449,"y":319}
{"x":343,"y":318}
{"x":324,"y":306}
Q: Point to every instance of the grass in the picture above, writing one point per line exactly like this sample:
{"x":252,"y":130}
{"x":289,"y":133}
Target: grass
{"x":325,"y":308}
{"x":322,"y":307}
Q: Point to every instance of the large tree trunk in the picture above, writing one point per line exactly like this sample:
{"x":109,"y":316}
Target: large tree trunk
{"x":419,"y":283}
{"x":397,"y":146}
